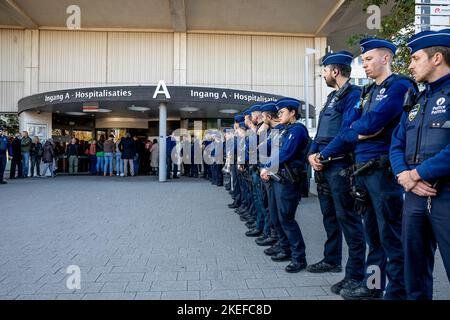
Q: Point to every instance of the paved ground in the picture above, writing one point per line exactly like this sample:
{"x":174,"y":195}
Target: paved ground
{"x":134,"y":238}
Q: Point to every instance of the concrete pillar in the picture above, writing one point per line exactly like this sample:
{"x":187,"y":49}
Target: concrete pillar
{"x":179,"y":58}
{"x":162,"y":141}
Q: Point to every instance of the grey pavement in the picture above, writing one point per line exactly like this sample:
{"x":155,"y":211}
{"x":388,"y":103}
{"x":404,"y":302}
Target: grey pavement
{"x":136,"y":238}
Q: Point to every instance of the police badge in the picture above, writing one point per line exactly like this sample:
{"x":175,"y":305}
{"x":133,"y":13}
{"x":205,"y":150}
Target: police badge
{"x":413,"y":113}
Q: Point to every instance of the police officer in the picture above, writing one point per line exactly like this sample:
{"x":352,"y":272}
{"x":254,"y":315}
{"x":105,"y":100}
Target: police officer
{"x":291,"y":161}
{"x":4,"y":146}
{"x":248,"y":213}
{"x":420,"y":154}
{"x":268,"y":134}
{"x":381,"y":104}
{"x":235,"y":187}
{"x":334,"y":189}
{"x":235,"y":190}
{"x":261,"y":229}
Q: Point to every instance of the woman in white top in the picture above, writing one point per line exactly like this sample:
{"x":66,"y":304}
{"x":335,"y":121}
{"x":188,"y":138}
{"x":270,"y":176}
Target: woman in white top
{"x":154,"y":157}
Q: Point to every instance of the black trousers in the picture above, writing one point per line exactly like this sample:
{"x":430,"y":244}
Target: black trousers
{"x":15,"y":162}
{"x":2,"y":165}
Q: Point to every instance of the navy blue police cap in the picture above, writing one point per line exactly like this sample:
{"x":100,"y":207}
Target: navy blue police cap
{"x":238,"y":118}
{"x":255,"y":107}
{"x":374,"y":43}
{"x":287,"y":102}
{"x":340,"y":57}
{"x":269,"y":107}
{"x":247,"y":112}
{"x":242,"y":125}
{"x":427,"y":39}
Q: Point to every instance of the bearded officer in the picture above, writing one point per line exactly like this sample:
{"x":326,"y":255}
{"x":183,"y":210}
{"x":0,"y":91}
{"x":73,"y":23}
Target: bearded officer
{"x":420,"y":154}
{"x":329,"y":155}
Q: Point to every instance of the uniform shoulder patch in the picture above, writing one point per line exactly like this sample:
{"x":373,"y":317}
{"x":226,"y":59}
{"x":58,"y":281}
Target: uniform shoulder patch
{"x":413,"y":113}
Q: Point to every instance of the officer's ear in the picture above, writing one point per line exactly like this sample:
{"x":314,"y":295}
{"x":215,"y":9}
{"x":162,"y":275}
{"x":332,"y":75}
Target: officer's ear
{"x":334,"y":72}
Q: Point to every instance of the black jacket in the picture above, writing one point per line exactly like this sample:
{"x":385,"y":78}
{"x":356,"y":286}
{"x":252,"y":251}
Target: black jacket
{"x":72,"y":150}
{"x":128,"y":148}
{"x":16,"y":149}
{"x":49,"y":153}
{"x":36,"y":150}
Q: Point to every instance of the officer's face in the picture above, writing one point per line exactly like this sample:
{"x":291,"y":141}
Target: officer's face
{"x":256,"y":115}
{"x":421,"y":66}
{"x":266,"y":118}
{"x":247,"y":121}
{"x":285,"y":115}
{"x":329,"y":76}
{"x":374,"y":62}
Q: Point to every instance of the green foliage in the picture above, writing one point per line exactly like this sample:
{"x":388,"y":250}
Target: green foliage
{"x":10,"y":122}
{"x":398,"y":27}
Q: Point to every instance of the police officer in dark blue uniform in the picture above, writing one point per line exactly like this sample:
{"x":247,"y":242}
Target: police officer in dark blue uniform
{"x":268,"y":134}
{"x":4,"y":146}
{"x":249,"y":214}
{"x":260,"y":227}
{"x":235,"y":187}
{"x":286,"y":182}
{"x":329,"y":155}
{"x":420,"y":154}
{"x":377,"y":191}
{"x":246,"y":208}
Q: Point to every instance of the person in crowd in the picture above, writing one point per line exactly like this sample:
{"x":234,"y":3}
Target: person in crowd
{"x":100,"y":155}
{"x":119,"y":160}
{"x":73,"y":153}
{"x":4,"y":146}
{"x":108,"y":148}
{"x":36,"y":153}
{"x":15,"y":155}
{"x":154,"y":162}
{"x":92,"y":153}
{"x":48,"y":157}
{"x":25,"y":147}
{"x":128,"y":149}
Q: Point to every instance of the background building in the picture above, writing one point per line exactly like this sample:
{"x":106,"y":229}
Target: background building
{"x":61,"y":62}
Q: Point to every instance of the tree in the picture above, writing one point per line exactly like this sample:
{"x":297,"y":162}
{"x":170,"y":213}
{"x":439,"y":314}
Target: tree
{"x":398,"y":26}
{"x":10,"y":122}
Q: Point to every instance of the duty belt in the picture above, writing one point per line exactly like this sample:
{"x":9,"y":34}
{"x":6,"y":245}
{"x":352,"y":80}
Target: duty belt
{"x":380,"y":163}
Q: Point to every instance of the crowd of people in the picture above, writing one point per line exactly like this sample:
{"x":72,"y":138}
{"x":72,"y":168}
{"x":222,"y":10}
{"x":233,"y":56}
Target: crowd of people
{"x":107,"y":157}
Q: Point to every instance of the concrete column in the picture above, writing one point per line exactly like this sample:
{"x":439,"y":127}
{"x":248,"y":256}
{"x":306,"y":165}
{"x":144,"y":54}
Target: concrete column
{"x":162,"y":141}
{"x":31,"y":62}
{"x":179,"y":58}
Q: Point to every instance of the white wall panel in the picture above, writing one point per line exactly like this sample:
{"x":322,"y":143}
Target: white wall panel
{"x":69,"y":58}
{"x":11,"y":68}
{"x":278,"y":64}
{"x":140,"y":58}
{"x":219,"y":60}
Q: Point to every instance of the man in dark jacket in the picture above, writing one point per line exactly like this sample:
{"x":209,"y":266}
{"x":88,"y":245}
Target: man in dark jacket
{"x":16,"y":158}
{"x":128,"y":148}
{"x":72,"y":155}
{"x":47,"y":158}
{"x":4,"y":146}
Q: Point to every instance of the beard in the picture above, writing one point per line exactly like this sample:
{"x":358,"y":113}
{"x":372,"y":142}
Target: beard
{"x":330,"y":82}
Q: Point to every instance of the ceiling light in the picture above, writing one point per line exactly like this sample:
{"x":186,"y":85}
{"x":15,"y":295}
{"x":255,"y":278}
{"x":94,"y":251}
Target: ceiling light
{"x":229,"y":111}
{"x":104,"y":110}
{"x":136,"y":108}
{"x":189,"y":109}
